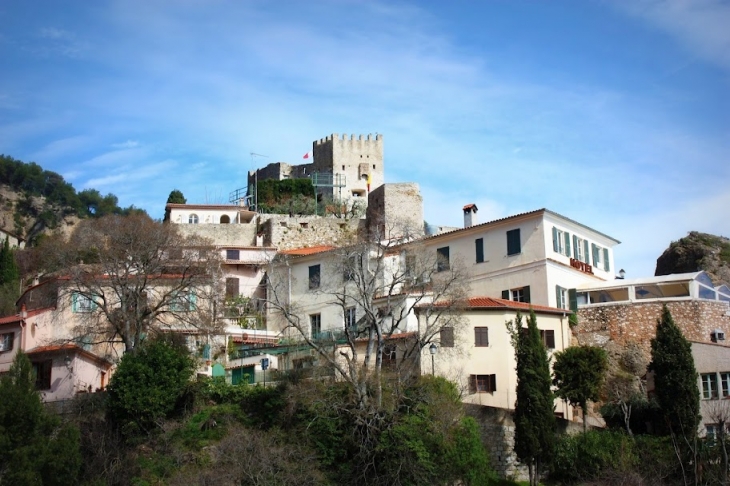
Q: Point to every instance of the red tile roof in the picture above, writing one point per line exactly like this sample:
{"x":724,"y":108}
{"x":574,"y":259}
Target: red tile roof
{"x":492,"y":303}
{"x":308,"y":251}
{"x":31,"y":313}
{"x":69,"y":347}
{"x":469,"y":206}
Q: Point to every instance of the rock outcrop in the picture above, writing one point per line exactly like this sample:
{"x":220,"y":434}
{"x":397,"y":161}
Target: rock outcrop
{"x":697,"y":251}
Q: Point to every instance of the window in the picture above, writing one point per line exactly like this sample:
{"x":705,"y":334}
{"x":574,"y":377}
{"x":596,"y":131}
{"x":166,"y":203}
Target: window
{"x":351,"y":318}
{"x":232,"y":289}
{"x":390,"y":354}
{"x":600,"y":257}
{"x":712,"y":432}
{"x":548,"y":338}
{"x":6,"y":341}
{"x":182,"y":301}
{"x":709,"y":386}
{"x":481,"y":336}
{"x":193,"y":219}
{"x":225,"y":219}
{"x":561,"y":297}
{"x":482,"y":383}
{"x":446,"y":336}
{"x":580,"y":249}
{"x":725,"y":381}
{"x":82,"y":303}
{"x":233,"y":255}
{"x":479,"y":244}
{"x":315,"y":325}
{"x":521,"y":294}
{"x":351,"y":268}
{"x":314,"y":277}
{"x":42,"y":372}
{"x":561,"y":241}
{"x":514,"y":245}
{"x":442,"y":259}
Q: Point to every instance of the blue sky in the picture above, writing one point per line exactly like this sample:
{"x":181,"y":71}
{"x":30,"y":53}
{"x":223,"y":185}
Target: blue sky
{"x":615,"y":114}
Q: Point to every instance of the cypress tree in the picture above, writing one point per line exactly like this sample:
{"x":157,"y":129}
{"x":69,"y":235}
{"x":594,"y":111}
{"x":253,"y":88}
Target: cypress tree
{"x":534,"y":410}
{"x":8,"y":268}
{"x":675,"y":379}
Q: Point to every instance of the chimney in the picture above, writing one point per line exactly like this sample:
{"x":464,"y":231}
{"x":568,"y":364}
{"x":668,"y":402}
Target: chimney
{"x":470,"y":215}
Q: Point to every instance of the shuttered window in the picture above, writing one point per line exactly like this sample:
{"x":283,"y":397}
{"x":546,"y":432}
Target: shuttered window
{"x":482,"y":383}
{"x":481,"y":336}
{"x":446,"y":336}
{"x":479,"y":244}
{"x":514,"y":244}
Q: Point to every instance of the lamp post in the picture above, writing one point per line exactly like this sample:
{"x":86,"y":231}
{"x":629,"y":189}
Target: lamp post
{"x":433,"y":349}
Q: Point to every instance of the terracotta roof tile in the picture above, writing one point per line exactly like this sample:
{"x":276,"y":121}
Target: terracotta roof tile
{"x":493,"y":303}
{"x":308,"y":251}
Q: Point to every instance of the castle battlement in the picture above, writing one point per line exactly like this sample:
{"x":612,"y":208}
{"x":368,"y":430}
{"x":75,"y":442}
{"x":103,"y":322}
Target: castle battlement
{"x":353,"y":138}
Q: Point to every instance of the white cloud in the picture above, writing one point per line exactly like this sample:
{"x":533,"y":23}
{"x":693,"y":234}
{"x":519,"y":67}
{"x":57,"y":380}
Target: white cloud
{"x":701,"y":25}
{"x":126,"y":145}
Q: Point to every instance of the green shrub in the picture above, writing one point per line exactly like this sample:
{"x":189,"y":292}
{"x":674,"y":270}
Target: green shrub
{"x":149,"y":385}
{"x":597,"y":453}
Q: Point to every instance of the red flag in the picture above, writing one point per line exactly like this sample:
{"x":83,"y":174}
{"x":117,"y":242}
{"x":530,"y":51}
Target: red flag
{"x":307,"y":155}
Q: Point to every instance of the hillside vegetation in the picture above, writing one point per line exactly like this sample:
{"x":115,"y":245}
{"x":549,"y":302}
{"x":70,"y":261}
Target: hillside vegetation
{"x":34,"y":200}
{"x":697,"y":251}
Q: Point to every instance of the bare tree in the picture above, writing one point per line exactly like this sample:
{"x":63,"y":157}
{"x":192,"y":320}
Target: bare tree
{"x":402,"y":298}
{"x":129,"y":277}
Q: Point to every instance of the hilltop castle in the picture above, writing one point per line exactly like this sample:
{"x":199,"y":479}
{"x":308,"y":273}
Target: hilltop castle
{"x":344,"y":169}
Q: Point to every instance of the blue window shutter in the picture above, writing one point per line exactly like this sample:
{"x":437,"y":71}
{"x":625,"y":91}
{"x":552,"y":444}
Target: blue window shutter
{"x":555,"y":239}
{"x":567,"y":243}
{"x":74,"y":302}
{"x":606,"y":265}
{"x":206,"y":351}
{"x":594,"y":251}
{"x":586,"y":255}
{"x":193,"y":301}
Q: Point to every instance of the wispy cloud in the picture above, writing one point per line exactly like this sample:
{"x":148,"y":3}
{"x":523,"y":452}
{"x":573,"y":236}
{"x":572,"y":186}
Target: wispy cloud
{"x":701,"y":25}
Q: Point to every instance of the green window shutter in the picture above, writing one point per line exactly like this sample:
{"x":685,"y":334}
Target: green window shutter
{"x":514,"y":244}
{"x":594,"y":252}
{"x":193,"y":301}
{"x":575,"y":246}
{"x":558,"y":295}
{"x":567,"y":243}
{"x":479,"y":242}
{"x":586,"y":255}
{"x":505,"y":294}
{"x":555,"y":239}
{"x":573,"y":299}
{"x":527,"y":294}
{"x":606,"y":265}
{"x":493,"y":383}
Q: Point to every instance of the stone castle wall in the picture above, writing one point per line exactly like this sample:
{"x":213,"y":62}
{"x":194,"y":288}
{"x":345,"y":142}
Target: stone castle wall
{"x":356,"y":158}
{"x":287,"y":233}
{"x":222,"y":234}
{"x":396,"y":210}
{"x":625,"y":323}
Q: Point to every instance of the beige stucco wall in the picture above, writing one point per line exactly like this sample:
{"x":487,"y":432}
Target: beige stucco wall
{"x":498,"y":358}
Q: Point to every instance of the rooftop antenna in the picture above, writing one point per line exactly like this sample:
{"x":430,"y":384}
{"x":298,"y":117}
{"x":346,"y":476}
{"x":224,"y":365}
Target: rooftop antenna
{"x":256,"y":179}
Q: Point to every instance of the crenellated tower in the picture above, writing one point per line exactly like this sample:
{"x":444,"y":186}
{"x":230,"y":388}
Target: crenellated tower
{"x":355,"y":165}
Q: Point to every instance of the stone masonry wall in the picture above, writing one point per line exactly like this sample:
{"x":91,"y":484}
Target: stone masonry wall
{"x":286,"y":232}
{"x":625,"y":323}
{"x":396,"y":210}
{"x":498,"y":435}
{"x":222,"y":234}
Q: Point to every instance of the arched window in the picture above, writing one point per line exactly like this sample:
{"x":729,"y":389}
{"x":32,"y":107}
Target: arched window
{"x":225,"y":219}
{"x":193,"y":219}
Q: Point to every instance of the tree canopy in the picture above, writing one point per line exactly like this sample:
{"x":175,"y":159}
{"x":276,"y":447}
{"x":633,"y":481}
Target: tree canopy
{"x":36,"y":447}
{"x":176,"y":197}
{"x":578,"y":374}
{"x":138,"y":277}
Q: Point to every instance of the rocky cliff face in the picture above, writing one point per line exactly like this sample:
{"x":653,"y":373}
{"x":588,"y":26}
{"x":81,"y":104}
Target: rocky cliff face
{"x":697,"y":251}
{"x":28,"y":217}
